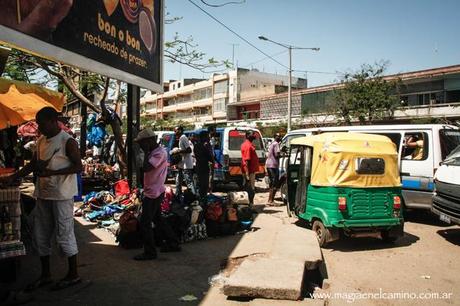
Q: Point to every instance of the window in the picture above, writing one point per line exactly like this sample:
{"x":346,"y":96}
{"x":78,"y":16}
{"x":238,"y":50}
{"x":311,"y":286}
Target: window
{"x":369,"y":165}
{"x":415,"y":146}
{"x":220,"y":105}
{"x":287,"y":140}
{"x":395,"y":138}
{"x":237,"y":137}
{"x":449,"y":140}
{"x":221,"y":87}
{"x":203,"y":93}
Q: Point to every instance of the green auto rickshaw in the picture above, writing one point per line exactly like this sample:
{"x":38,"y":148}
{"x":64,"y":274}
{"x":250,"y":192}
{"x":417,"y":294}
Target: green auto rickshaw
{"x":345,"y":183}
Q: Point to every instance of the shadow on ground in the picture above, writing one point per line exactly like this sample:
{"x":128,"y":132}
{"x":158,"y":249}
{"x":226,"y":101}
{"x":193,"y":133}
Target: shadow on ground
{"x":423,"y":217}
{"x":111,"y":277}
{"x":350,"y":244}
{"x":452,"y":235}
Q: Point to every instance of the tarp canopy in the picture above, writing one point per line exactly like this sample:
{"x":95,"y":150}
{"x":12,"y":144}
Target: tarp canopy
{"x":20,"y":102}
{"x":352,"y":160}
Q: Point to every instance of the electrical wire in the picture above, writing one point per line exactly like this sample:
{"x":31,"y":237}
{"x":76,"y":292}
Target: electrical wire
{"x":267,"y":56}
{"x":235,"y":33}
{"x":223,"y":4}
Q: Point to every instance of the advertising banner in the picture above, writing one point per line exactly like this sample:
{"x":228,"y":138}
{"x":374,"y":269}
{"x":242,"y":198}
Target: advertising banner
{"x":117,"y":38}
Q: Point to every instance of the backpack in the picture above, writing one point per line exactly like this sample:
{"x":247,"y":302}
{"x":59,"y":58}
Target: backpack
{"x":129,"y":235}
{"x":214,"y":211}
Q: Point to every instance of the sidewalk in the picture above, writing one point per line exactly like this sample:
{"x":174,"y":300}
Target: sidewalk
{"x":111,"y":277}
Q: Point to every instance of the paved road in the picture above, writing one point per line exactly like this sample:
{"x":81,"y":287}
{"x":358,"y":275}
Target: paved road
{"x":425,"y":260}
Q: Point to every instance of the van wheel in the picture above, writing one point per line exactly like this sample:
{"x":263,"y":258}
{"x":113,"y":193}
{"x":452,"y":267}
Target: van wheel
{"x":322,"y":233}
{"x":386,"y":237}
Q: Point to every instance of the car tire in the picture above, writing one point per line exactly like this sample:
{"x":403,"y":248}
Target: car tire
{"x":322,"y":233}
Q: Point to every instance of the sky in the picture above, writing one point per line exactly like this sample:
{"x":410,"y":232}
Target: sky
{"x":410,"y":34}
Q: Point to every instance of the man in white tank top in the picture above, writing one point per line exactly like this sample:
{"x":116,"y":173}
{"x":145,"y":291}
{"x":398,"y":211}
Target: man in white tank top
{"x":56,"y":162}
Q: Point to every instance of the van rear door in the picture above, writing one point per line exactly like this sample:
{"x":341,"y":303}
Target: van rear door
{"x":236,"y":138}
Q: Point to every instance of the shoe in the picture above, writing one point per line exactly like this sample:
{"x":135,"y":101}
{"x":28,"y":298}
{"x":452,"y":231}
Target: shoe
{"x":170,"y":249}
{"x":143,"y":256}
{"x":66,"y":283}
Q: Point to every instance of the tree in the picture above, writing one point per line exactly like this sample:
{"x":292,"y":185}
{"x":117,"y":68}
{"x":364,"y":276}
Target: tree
{"x":366,"y":95}
{"x":81,"y":84}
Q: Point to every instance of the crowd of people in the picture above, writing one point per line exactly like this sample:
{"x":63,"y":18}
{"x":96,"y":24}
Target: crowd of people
{"x":56,"y":163}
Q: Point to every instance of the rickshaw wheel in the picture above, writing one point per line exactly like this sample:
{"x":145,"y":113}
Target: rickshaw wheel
{"x":322,"y":233}
{"x":386,"y":236}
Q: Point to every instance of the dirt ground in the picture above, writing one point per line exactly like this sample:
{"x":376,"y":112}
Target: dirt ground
{"x":425,"y":260}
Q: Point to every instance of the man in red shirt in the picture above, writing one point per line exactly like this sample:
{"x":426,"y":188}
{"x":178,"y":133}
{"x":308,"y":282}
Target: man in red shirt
{"x":249,"y":165}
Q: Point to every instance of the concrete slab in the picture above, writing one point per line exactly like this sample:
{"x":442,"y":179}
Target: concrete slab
{"x":298,"y":244}
{"x":268,"y":278}
{"x":266,"y":221}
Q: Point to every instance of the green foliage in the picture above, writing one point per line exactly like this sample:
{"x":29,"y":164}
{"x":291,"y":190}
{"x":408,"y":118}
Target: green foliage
{"x":366,"y":95}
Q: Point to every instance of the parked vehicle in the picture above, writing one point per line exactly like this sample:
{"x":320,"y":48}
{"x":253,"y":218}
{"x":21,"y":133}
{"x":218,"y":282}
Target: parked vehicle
{"x":344,"y":183}
{"x":227,"y":152}
{"x":446,"y":199}
{"x":417,"y":173}
{"x":267,"y":141}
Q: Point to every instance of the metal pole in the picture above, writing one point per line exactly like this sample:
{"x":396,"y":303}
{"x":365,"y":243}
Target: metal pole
{"x":133,"y":128}
{"x":289,"y":106}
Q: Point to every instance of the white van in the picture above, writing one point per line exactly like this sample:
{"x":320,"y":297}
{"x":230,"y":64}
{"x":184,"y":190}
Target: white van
{"x":227,"y":152}
{"x":417,"y":166}
{"x":446,"y":198}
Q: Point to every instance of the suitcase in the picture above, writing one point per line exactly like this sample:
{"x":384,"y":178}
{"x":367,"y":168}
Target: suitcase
{"x":238,"y":197}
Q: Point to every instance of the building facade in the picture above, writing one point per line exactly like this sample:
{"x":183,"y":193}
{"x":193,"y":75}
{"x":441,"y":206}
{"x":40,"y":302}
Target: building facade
{"x":431,"y":93}
{"x":217,"y":99}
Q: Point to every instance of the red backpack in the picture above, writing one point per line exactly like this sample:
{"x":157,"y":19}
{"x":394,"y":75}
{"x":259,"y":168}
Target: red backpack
{"x":214,"y":211}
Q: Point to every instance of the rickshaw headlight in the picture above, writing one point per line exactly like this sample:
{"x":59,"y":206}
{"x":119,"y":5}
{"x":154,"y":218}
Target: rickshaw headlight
{"x":342,"y":201}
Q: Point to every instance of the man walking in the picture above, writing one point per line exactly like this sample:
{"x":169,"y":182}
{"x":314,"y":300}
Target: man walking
{"x":185,"y":166}
{"x":249,"y":165}
{"x":155,"y":168}
{"x":272,"y":165}
{"x":56,"y":163}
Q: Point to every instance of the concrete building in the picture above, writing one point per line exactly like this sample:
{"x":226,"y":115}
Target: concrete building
{"x":216,"y":99}
{"x":431,"y":93}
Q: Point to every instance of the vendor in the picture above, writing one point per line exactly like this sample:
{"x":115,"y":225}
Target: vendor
{"x":56,"y":162}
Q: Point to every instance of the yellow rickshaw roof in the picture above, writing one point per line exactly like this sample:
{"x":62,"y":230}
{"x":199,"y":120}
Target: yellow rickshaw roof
{"x":335,"y":157}
{"x":349,"y":142}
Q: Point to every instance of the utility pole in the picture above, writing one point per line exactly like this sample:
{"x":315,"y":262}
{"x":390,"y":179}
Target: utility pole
{"x":290,"y":48}
{"x":233,"y":54}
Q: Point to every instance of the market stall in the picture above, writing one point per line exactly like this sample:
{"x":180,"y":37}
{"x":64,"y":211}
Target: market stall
{"x":19,"y":103}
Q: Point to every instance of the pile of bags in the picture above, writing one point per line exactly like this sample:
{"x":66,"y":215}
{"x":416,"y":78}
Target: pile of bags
{"x":119,"y":211}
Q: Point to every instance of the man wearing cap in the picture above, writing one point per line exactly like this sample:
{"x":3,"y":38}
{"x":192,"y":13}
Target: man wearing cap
{"x":155,"y":168}
{"x":272,"y":165}
{"x":249,"y":165}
